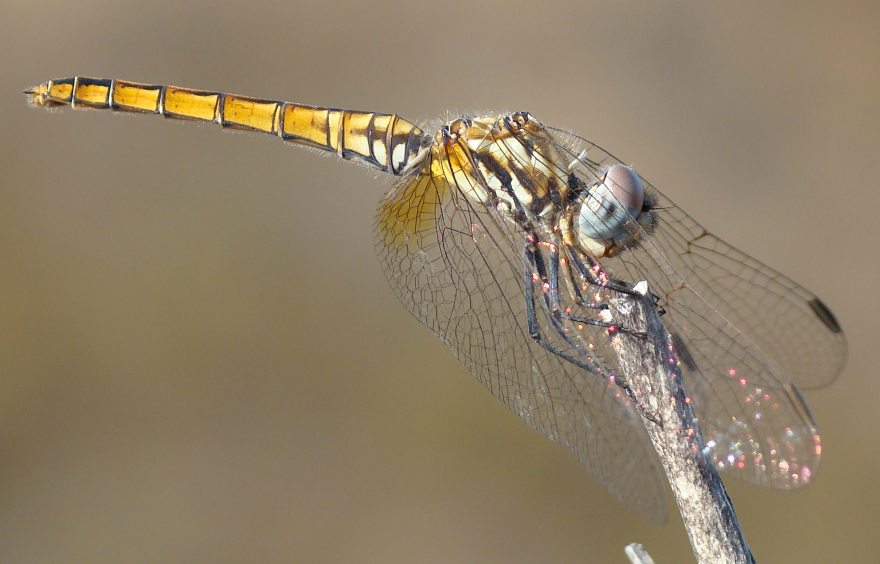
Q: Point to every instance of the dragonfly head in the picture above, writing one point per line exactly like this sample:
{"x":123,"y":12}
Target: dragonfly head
{"x":613,"y":212}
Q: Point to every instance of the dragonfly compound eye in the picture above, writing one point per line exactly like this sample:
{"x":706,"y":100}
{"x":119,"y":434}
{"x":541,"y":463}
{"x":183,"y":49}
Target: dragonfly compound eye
{"x":609,"y":204}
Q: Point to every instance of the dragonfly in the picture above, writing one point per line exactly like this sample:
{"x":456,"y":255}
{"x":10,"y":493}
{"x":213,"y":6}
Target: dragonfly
{"x":509,"y":238}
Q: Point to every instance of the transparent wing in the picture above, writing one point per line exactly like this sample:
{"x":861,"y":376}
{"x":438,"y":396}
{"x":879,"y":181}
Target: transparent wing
{"x":790,"y":323}
{"x":459,"y":269}
{"x":786,"y":320}
{"x":521,"y":307}
{"x":745,"y":334}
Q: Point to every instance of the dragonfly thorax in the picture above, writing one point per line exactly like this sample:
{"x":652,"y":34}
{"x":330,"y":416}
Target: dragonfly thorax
{"x":508,"y":163}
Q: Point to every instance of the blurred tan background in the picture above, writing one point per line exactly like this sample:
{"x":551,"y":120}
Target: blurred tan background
{"x":200,"y":359}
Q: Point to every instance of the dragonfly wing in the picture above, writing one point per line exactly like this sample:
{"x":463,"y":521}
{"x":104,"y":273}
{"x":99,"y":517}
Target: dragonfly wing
{"x":755,"y":425}
{"x":458,"y":268}
{"x":746,"y":335}
{"x":786,"y":320}
{"x":777,"y":336}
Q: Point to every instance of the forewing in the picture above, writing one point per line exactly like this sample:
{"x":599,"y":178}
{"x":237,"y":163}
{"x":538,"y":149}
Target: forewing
{"x":786,"y":320}
{"x":745,"y":335}
{"x":789,"y":322}
{"x":458,"y":268}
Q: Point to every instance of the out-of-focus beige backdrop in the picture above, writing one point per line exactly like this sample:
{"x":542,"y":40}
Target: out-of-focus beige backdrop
{"x":200,"y":359}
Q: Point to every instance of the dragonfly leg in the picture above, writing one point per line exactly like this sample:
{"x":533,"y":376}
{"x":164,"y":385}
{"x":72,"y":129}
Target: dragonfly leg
{"x":546,"y":281}
{"x":591,"y":276}
{"x":531,"y":263}
{"x":612,"y":327}
{"x":549,"y":281}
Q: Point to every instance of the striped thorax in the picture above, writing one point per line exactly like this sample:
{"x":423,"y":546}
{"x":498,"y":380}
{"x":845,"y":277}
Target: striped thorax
{"x":506,"y":163}
{"x":513,"y":165}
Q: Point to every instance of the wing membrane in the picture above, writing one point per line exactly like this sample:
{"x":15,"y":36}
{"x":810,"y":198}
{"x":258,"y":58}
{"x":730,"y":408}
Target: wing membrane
{"x":786,"y":320}
{"x":458,"y":269}
{"x":749,"y":333}
{"x":746,"y":335}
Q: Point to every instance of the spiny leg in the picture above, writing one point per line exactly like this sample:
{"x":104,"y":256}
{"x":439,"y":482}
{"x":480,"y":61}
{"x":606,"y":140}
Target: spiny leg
{"x":593,"y":274}
{"x":531,"y":316}
{"x":593,"y":277}
{"x":536,"y":334}
{"x":549,"y":279}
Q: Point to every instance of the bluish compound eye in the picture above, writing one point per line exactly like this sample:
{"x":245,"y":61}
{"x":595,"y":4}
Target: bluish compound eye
{"x":609,"y":204}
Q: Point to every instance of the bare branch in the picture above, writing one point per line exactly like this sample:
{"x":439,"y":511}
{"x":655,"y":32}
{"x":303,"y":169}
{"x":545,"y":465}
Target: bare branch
{"x":651,"y":373}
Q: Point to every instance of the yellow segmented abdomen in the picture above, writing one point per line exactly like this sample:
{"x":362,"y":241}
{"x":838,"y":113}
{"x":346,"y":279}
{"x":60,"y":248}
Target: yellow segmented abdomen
{"x":384,"y":141}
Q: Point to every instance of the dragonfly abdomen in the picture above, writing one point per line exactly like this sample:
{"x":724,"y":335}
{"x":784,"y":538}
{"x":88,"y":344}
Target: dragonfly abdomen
{"x":383,"y":141}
